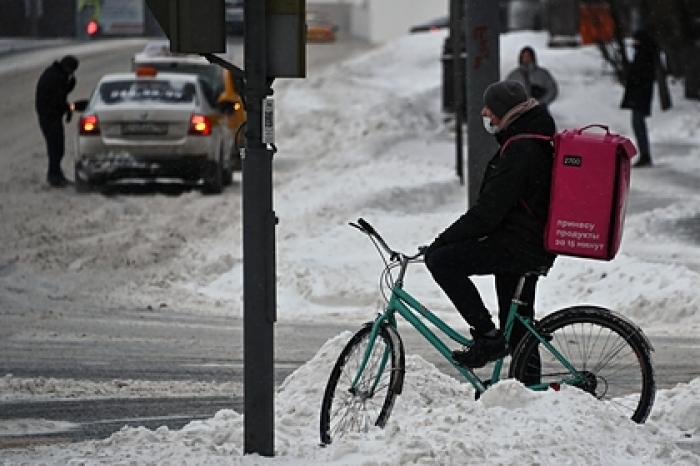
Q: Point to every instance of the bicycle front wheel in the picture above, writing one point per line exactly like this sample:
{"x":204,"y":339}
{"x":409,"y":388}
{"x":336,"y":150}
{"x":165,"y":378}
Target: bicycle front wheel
{"x":348,"y":409}
{"x":610,"y":354}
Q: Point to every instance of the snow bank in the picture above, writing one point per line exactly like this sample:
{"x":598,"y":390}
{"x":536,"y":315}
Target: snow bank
{"x":435,"y":421}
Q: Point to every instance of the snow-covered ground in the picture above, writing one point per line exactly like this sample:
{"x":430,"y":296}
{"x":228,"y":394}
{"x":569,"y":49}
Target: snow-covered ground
{"x":366,"y":138}
{"x":15,"y":389}
{"x":435,"y":421}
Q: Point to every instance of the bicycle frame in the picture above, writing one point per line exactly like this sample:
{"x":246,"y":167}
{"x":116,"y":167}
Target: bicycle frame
{"x":409,"y":308}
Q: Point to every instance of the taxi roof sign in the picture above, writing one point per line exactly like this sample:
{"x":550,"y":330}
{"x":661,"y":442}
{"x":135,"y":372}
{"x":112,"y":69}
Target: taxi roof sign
{"x":146,"y":72}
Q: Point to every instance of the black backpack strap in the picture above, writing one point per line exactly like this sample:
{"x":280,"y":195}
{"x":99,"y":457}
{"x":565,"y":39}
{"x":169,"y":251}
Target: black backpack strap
{"x":517,"y":137}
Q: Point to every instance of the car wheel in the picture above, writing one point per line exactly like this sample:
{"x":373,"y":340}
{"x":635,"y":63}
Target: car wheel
{"x":228,"y":171}
{"x":236,"y":161}
{"x":82,"y":184}
{"x":228,"y":177}
{"x":213,"y":178}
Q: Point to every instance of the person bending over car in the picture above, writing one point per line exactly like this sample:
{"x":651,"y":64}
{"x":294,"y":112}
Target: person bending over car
{"x":51,"y":104}
{"x":502,"y":233}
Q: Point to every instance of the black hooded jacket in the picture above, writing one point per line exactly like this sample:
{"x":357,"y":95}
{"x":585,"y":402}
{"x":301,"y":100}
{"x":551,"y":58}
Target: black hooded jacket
{"x":52,"y":92}
{"x":514,"y":195}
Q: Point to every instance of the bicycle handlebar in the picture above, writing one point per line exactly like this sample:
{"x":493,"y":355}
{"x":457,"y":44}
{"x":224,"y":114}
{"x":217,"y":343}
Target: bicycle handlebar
{"x":364,"y":226}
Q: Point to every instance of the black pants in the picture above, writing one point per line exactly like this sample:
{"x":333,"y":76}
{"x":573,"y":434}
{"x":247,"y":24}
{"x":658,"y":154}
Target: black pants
{"x":452,"y":264}
{"x":52,"y":129}
{"x":639,"y":125}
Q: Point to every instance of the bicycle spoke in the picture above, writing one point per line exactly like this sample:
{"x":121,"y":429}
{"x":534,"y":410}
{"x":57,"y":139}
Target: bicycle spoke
{"x":611,"y":360}
{"x":614,"y":353}
{"x":357,"y":408}
{"x":593,"y":342}
{"x":625,"y":409}
{"x":341,"y":423}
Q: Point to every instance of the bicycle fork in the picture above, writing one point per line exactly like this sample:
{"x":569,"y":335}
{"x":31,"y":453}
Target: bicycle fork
{"x":389,"y":323}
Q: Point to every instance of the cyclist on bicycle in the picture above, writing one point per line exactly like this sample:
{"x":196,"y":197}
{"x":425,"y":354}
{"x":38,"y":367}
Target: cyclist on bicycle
{"x":502,"y":233}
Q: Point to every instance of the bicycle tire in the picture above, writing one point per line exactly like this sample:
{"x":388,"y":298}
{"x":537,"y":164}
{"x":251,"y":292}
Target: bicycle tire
{"x":619,"y":371}
{"x":339,"y":401}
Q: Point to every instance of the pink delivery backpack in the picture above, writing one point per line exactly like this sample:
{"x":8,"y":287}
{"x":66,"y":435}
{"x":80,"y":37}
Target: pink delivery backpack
{"x":590,"y":182}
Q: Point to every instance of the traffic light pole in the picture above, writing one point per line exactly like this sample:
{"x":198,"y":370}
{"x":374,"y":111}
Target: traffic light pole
{"x":483,"y":68}
{"x":259,"y":308}
{"x":456,"y":38}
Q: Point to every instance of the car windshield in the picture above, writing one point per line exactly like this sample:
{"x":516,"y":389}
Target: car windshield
{"x":115,"y":92}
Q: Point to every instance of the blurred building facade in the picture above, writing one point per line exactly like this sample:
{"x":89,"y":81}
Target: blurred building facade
{"x":69,"y":18}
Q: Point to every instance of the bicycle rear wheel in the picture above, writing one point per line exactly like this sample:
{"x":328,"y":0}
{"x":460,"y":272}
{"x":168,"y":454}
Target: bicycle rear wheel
{"x":611,"y":356}
{"x":346,"y":409}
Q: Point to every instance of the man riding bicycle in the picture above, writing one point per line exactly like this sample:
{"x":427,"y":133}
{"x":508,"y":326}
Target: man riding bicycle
{"x":502,"y":233}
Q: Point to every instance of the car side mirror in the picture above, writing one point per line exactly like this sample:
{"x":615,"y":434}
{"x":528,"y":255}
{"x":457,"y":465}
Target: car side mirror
{"x":80,"y":105}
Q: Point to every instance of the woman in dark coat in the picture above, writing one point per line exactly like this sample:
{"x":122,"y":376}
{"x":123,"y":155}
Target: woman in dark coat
{"x":639,"y":90}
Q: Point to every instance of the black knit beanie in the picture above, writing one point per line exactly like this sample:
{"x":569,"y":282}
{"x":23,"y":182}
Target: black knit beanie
{"x":501,"y":96}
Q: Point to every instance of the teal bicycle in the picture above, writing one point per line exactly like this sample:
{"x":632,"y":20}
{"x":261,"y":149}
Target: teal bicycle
{"x":588,"y":347}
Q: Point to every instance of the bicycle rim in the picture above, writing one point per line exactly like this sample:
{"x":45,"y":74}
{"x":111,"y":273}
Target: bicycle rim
{"x":610,"y":355}
{"x":346,"y":409}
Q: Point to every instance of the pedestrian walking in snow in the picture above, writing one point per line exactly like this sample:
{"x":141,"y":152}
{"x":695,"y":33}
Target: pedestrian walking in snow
{"x":502,"y":233}
{"x":51,"y":104}
{"x":639,"y":90}
{"x":538,"y":81}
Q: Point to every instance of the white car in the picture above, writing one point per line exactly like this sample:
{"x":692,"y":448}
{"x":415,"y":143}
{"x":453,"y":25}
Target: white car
{"x":221,"y":89}
{"x":149,"y":124}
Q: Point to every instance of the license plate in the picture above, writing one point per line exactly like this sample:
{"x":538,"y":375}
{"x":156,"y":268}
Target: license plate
{"x":142,"y":128}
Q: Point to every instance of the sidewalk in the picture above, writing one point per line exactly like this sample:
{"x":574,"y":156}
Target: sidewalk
{"x":10,"y":45}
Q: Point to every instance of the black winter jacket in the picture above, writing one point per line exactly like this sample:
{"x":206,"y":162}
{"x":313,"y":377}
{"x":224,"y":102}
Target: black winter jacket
{"x":52,"y":92}
{"x":514,"y":195}
{"x":641,"y":75}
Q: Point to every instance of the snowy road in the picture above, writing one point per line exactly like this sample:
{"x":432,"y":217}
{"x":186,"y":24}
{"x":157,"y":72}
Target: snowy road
{"x":173,"y":345}
{"x":63,"y":255}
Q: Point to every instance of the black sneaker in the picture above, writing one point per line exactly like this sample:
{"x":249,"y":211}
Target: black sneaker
{"x":483,"y":351}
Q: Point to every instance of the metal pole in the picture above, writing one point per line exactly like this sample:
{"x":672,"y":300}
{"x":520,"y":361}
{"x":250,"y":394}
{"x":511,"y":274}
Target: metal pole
{"x":259,"y":308}
{"x":483,"y":68}
{"x":458,"y":82}
{"x":34,"y":16}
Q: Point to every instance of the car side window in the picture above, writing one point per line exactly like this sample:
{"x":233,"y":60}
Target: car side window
{"x":208,"y":92}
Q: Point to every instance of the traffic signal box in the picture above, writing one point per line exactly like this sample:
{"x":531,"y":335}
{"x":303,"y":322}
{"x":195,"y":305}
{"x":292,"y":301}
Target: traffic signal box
{"x":192,"y":26}
{"x":195,"y":26}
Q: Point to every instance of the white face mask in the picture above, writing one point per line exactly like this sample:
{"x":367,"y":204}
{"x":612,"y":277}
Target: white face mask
{"x":488,"y":126}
